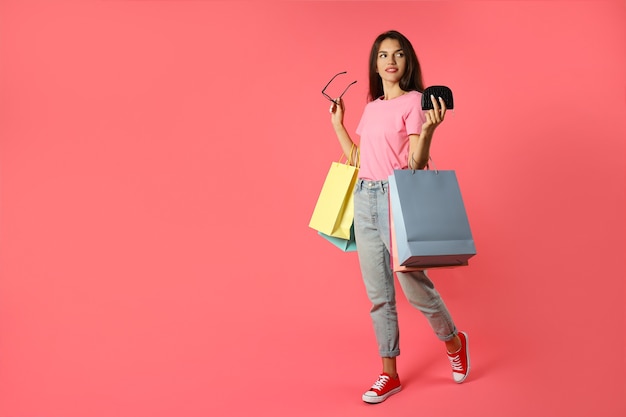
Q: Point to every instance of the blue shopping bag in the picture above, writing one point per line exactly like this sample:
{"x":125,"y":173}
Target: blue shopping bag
{"x":346,"y":245}
{"x":430,"y":222}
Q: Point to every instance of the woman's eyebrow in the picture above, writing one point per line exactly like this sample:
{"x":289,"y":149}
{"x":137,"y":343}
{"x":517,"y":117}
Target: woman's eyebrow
{"x":397,"y":50}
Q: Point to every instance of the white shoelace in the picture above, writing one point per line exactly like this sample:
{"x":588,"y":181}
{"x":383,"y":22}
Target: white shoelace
{"x":456,"y":363}
{"x":380,"y":384}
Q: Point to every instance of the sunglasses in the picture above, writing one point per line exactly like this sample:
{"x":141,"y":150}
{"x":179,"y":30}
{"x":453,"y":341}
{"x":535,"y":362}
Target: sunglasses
{"x":331,"y":80}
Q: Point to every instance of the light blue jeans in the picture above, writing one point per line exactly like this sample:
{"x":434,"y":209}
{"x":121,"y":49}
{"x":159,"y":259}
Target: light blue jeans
{"x":371,"y":230}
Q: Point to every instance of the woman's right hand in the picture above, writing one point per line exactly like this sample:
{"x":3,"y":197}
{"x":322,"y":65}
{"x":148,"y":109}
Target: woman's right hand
{"x":337,"y":110}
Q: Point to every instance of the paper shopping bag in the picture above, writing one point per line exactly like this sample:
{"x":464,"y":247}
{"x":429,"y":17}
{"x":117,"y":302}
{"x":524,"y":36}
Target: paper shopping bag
{"x":334,"y":211}
{"x":430,"y":223}
{"x":346,"y":245}
{"x":395,"y":263}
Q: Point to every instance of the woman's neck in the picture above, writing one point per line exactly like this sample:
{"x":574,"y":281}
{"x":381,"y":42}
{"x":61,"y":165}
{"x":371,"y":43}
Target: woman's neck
{"x":392,"y":91}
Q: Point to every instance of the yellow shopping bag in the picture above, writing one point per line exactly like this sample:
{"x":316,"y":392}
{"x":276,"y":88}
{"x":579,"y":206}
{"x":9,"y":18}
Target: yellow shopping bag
{"x":334,"y":212}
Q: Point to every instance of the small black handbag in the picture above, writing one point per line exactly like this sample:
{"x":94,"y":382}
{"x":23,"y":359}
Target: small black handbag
{"x":438,"y":91}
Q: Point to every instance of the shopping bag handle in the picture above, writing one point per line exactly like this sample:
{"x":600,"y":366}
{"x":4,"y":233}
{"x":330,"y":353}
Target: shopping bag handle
{"x":357,"y":158}
{"x":430,"y":159}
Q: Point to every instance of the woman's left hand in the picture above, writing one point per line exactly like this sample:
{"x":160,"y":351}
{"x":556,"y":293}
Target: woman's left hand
{"x":435,"y":116}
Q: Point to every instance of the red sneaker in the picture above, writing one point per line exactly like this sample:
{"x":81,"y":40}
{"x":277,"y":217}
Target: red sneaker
{"x":382,"y":388}
{"x":460,"y":360}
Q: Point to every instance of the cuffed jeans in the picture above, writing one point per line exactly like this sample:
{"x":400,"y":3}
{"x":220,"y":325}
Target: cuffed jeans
{"x":371,"y":229}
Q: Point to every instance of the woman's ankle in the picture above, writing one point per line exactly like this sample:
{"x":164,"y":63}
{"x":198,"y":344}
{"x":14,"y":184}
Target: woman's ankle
{"x":453,"y":345}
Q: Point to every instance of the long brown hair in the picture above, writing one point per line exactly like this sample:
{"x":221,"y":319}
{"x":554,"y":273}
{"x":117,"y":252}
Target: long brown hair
{"x":412,"y":78}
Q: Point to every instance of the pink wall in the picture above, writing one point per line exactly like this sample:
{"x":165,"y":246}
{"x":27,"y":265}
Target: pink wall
{"x":159,"y":162}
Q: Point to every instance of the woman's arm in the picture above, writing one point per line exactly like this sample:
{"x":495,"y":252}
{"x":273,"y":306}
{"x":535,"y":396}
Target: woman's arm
{"x":419,"y":145}
{"x":419,"y":150}
{"x":348,"y":147}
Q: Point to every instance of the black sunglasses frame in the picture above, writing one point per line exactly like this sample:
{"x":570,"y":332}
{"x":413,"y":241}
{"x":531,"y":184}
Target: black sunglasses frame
{"x":331,"y":80}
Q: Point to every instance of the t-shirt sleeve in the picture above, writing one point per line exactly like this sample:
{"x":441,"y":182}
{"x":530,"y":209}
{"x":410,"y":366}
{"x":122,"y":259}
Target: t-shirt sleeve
{"x":415,"y":117}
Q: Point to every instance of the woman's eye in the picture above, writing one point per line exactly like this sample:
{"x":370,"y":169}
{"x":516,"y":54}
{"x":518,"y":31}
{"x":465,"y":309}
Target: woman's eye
{"x":382,"y":56}
{"x":399,"y":55}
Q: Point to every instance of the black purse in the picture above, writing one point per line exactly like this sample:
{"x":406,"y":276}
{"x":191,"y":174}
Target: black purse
{"x":438,"y":91}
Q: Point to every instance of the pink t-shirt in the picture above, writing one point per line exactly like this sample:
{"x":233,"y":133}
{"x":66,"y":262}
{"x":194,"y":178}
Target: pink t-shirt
{"x":384,"y":128}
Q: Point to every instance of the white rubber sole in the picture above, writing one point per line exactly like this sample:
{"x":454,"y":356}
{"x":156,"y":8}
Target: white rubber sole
{"x":371,"y":399}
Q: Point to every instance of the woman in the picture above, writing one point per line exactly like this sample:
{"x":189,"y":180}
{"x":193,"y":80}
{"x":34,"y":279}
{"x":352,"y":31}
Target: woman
{"x":395,"y":133}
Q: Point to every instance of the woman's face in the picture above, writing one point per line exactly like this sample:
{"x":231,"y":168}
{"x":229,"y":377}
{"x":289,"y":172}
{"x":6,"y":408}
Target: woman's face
{"x":391,"y":62}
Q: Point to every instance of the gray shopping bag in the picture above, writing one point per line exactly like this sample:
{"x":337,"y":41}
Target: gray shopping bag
{"x":431,"y":225}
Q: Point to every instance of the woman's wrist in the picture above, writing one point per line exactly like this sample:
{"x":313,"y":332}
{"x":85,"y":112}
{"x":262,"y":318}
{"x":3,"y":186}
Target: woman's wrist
{"x":338,"y":126}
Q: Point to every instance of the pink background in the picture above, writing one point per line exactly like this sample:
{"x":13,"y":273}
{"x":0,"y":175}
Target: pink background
{"x":160,"y":161}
